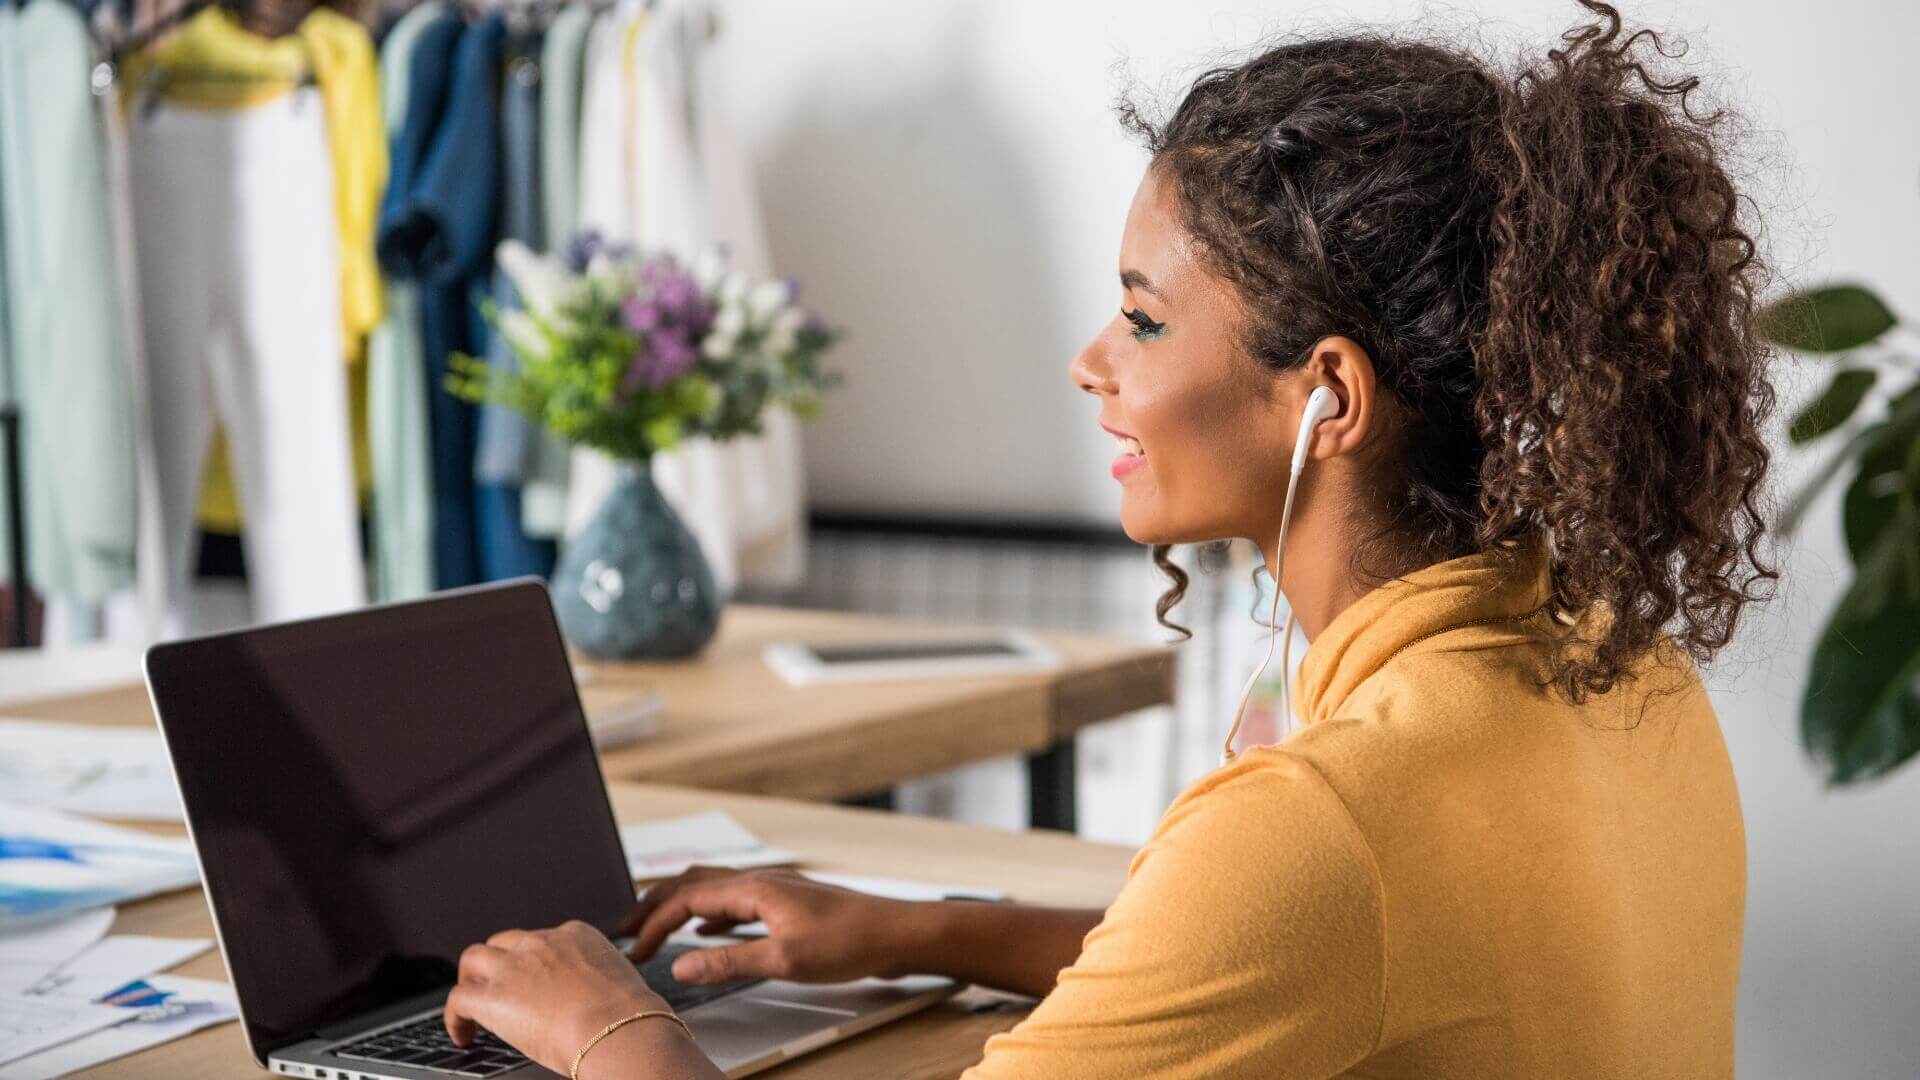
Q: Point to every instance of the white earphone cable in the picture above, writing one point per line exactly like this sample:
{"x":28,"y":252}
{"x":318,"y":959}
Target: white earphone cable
{"x":1318,"y":403}
{"x":1273,"y":611}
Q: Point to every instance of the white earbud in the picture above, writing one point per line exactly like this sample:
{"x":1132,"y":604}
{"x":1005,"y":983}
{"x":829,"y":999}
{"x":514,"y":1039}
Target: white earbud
{"x":1320,"y":404}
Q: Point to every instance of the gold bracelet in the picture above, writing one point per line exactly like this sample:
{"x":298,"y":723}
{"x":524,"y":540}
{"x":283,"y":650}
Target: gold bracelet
{"x":616,"y":1026}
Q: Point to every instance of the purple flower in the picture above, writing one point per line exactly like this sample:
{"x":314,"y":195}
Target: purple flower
{"x":591,"y":242}
{"x":640,"y":314}
{"x":672,"y":357}
{"x":660,"y":359}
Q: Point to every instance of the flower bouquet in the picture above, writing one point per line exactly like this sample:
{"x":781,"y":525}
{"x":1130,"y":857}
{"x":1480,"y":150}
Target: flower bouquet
{"x":631,"y":355}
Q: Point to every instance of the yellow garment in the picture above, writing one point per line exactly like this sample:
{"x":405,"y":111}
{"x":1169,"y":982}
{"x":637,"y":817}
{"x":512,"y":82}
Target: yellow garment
{"x":1445,"y":873}
{"x":213,"y":62}
{"x":348,"y":74}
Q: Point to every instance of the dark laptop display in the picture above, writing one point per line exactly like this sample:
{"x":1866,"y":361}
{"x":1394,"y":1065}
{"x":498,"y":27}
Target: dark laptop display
{"x":372,"y":792}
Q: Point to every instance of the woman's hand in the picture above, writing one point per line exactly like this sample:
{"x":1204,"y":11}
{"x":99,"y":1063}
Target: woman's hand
{"x":815,"y":932}
{"x":547,"y":992}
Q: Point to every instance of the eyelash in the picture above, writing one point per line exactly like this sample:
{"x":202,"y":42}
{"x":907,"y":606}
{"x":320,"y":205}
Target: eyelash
{"x":1143,"y":327}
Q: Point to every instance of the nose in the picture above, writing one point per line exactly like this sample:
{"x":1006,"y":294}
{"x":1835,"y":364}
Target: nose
{"x":1091,"y":371}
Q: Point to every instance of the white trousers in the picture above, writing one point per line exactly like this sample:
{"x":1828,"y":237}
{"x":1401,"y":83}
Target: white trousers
{"x":240,"y":303}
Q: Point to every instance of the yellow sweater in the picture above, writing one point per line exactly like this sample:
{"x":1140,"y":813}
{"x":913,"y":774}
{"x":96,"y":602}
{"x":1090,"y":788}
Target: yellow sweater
{"x":1446,"y":872}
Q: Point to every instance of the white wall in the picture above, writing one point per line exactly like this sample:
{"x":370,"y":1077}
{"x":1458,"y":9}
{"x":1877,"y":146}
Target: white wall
{"x":948,"y":180}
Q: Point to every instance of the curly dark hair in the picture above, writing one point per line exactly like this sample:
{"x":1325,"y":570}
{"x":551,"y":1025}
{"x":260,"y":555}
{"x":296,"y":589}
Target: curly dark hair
{"x":1551,"y":274}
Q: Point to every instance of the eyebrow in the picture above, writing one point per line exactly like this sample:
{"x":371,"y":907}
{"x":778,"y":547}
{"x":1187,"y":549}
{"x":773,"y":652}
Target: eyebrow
{"x":1134,"y":279}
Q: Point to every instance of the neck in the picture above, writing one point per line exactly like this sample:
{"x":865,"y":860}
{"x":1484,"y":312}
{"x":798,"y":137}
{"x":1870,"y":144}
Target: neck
{"x":1318,"y":577}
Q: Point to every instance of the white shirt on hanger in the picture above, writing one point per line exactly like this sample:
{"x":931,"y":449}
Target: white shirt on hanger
{"x":647,"y":178}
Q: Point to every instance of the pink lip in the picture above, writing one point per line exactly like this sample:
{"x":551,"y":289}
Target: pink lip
{"x":1125,"y":463}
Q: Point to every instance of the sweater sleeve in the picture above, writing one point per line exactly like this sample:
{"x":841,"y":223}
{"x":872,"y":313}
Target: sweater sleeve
{"x":1247,"y":942}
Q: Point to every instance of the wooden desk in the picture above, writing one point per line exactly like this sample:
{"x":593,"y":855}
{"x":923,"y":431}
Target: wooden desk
{"x":731,"y":724}
{"x":1041,"y":867}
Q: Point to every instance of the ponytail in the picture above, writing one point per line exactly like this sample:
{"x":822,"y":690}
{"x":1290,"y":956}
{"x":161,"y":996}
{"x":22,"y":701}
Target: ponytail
{"x":1620,"y":382}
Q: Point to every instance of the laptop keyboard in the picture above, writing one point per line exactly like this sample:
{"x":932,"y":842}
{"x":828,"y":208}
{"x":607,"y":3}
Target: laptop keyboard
{"x":424,"y":1043}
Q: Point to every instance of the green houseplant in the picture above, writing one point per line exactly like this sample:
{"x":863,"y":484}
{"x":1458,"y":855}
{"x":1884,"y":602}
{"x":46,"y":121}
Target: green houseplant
{"x":1860,"y":717}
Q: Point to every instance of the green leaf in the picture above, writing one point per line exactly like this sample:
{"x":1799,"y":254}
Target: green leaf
{"x":1860,"y":717}
{"x":1796,"y":509}
{"x":1833,"y":407}
{"x":1825,"y":320}
{"x":1874,"y":495}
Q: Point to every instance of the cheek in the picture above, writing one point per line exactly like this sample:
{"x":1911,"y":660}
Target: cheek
{"x":1192,"y":428}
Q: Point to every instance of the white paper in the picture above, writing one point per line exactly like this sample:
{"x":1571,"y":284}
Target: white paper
{"x":104,"y":771}
{"x":657,"y":849}
{"x":28,"y":954}
{"x":193,"y":1004}
{"x":899,"y":889}
{"x":117,"y":961}
{"x":31,"y":1024}
{"x":53,"y":864}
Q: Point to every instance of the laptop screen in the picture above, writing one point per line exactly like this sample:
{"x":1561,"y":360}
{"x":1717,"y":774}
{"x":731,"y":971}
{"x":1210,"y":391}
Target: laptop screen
{"x":372,"y":792}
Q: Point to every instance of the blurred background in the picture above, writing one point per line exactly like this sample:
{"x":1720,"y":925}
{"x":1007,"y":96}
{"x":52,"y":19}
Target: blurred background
{"x":946,"y":184}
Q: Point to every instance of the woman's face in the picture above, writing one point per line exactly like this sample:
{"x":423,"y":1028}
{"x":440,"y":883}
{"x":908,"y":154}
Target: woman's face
{"x":1200,"y":428}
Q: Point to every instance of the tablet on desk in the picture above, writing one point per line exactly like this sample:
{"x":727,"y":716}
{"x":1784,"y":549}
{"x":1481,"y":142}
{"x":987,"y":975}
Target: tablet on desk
{"x":803,"y":663}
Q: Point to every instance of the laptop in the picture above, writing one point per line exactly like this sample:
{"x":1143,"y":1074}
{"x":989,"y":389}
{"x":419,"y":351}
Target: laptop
{"x":369,"y":793}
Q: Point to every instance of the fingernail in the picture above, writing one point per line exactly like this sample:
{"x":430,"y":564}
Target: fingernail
{"x":689,"y":968}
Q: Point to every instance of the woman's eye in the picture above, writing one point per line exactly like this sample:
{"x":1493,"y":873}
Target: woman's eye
{"x":1143,"y":328}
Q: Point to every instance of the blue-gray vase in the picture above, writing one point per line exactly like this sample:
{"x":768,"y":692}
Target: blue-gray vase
{"x":634,"y":585}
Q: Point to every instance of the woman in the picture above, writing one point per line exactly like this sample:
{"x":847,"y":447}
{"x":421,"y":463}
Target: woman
{"x":1505,"y":840}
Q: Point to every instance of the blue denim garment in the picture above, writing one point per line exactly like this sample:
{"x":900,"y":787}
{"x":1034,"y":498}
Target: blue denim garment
{"x":438,"y":225}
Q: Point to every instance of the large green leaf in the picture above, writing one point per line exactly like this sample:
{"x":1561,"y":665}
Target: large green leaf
{"x":1825,"y":320}
{"x":1874,"y":495}
{"x":1860,"y":717}
{"x":1834,"y":405}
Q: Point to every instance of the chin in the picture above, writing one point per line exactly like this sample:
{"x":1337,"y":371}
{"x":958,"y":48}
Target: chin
{"x":1147,"y":524}
{"x":1144,"y":526}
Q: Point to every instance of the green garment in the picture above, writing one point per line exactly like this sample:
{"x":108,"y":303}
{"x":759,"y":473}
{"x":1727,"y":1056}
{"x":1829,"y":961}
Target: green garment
{"x":543,"y":490}
{"x":68,"y":346}
{"x":397,"y":419}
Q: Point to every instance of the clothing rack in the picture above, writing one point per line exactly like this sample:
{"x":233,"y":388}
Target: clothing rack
{"x":16,"y":526}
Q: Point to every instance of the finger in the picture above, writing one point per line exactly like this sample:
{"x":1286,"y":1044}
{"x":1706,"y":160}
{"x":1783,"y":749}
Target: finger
{"x":716,"y":927}
{"x":732,"y":897}
{"x":509,"y":939}
{"x":659,"y":891}
{"x":459,"y":1015}
{"x":478,"y":963}
{"x":752,"y":960}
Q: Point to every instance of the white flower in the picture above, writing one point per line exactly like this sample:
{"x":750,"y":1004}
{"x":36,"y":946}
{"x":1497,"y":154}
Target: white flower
{"x":522,"y":332}
{"x":766,"y":299}
{"x":707,"y":269}
{"x":544,"y":283}
{"x":717,"y":346}
{"x":729,"y":321}
{"x":733,"y":287}
{"x":784,"y":333}
{"x":609,"y":273}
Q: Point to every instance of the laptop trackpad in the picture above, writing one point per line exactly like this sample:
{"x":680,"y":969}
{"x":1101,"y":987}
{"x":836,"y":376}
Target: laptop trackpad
{"x":747,"y":1027}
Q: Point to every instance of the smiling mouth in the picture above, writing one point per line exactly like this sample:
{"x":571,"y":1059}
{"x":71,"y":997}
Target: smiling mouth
{"x":1129,"y":445}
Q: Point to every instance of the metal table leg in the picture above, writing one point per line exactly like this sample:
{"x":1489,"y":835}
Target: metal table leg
{"x":1050,"y":788}
{"x":873,"y":800}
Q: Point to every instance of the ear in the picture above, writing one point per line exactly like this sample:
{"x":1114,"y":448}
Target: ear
{"x":1341,"y":365}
